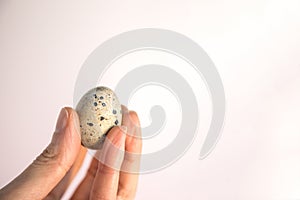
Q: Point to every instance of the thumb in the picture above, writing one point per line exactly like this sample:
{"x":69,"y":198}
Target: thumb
{"x":51,"y":166}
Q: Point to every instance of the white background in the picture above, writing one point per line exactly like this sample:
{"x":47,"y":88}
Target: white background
{"x":254,"y":44}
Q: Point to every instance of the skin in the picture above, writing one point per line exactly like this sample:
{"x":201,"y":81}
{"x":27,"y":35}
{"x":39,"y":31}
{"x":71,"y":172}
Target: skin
{"x":54,"y":169}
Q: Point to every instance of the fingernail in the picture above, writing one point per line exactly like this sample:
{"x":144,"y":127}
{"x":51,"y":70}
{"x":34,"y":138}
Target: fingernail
{"x":76,"y":123}
{"x":62,"y":120}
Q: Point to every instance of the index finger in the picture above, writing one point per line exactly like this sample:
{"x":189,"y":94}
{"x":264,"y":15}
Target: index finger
{"x":107,"y":178}
{"x":131,"y":163}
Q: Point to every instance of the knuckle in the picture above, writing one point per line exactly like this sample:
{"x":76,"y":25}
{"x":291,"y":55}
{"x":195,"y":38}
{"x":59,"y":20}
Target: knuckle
{"x":50,"y":157}
{"x":96,"y":195}
{"x":105,"y":170}
{"x":134,"y":144}
{"x":131,"y":164}
{"x":131,"y":158}
{"x":93,"y":168}
{"x":125,"y":194}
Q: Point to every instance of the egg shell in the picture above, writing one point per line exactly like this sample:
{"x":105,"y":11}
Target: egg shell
{"x":98,"y":110}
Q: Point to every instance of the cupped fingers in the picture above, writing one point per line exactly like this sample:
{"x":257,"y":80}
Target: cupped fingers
{"x":131,"y":163}
{"x":84,"y":188}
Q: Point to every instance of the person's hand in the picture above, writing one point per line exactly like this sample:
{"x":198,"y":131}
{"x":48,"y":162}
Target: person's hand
{"x":50,"y":174}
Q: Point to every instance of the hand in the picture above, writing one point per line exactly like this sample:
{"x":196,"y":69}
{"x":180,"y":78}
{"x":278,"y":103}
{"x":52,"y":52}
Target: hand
{"x":50,"y":174}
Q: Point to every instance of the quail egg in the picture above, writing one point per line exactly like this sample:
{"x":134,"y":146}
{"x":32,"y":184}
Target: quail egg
{"x":98,"y":110}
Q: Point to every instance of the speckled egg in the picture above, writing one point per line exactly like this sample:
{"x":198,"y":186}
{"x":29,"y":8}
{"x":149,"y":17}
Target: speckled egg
{"x":98,"y":110}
